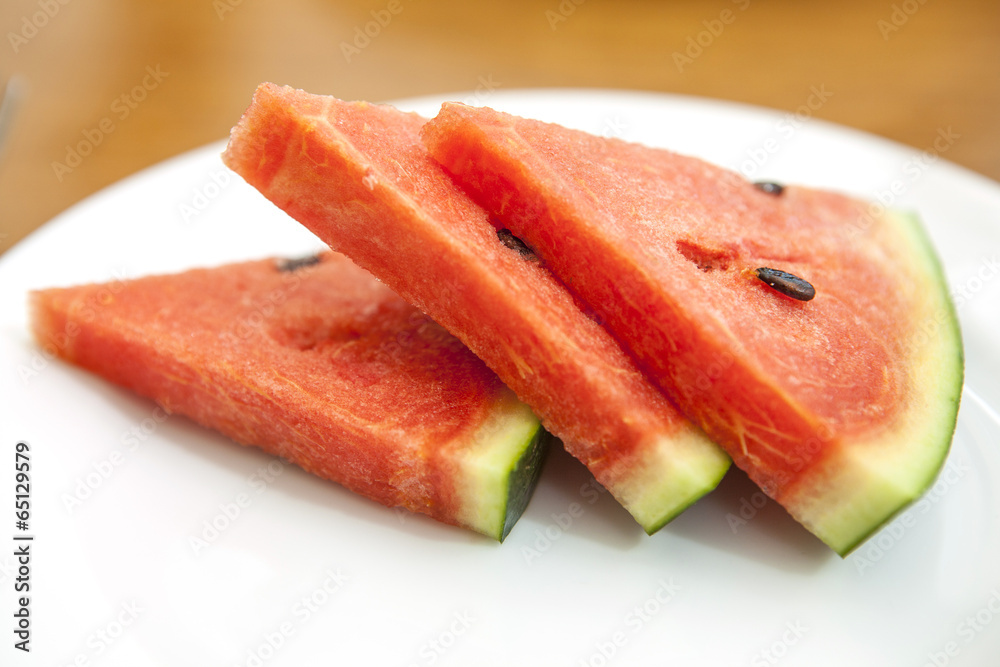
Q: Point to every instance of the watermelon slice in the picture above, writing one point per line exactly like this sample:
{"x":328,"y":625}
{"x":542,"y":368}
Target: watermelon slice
{"x":319,"y":363}
{"x":842,"y":407}
{"x":358,"y":176}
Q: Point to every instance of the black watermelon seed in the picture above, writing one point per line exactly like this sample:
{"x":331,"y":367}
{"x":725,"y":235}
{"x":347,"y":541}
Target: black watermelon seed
{"x":787,"y":284}
{"x":770,"y":188}
{"x":297,"y":263}
{"x":508,"y":239}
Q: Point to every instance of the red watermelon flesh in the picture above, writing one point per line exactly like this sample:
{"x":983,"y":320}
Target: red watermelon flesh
{"x":841,"y":408}
{"x":319,"y":363}
{"x":357,"y":175}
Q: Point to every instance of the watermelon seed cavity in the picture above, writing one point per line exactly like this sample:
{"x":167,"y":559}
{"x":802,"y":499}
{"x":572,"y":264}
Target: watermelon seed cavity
{"x":706,"y":259}
{"x":508,"y":239}
{"x":786,"y":283}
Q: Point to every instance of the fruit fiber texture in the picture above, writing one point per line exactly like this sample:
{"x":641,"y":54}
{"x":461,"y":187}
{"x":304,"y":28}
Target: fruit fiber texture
{"x":841,"y":408}
{"x":358,"y":176}
{"x":319,"y":363}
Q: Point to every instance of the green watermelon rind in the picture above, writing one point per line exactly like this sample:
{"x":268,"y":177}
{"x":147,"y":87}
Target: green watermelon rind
{"x":500,"y":470}
{"x":892,"y":471}
{"x":652,"y":492}
{"x":683,"y":458}
{"x":865,"y":474}
{"x":493,"y":459}
{"x":523,"y":478}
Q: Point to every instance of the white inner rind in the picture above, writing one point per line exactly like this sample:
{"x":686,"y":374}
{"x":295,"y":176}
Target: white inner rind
{"x":692,"y":463}
{"x":486,"y":464}
{"x":866,"y":482}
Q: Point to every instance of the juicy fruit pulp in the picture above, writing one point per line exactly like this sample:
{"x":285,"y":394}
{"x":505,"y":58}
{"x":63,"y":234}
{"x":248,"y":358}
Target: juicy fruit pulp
{"x":319,"y":363}
{"x":358,"y":177}
{"x":841,"y":408}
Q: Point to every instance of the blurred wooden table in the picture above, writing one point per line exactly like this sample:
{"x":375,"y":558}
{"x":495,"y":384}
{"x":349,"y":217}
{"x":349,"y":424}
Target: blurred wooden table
{"x":164,"y":77}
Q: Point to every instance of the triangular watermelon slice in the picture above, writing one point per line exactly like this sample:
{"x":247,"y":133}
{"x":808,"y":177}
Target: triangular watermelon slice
{"x":358,"y":176}
{"x":319,"y":363}
{"x":841,"y":407}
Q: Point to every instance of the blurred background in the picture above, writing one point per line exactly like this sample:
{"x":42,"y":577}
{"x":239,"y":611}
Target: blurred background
{"x":141,"y":80}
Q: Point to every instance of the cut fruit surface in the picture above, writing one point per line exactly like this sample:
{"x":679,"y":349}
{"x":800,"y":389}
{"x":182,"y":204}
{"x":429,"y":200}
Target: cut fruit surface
{"x":358,"y":176}
{"x":316,"y":362}
{"x":840,"y":407}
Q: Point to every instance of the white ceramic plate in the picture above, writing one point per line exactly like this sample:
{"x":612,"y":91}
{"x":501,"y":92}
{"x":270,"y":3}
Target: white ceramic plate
{"x":306,"y":573}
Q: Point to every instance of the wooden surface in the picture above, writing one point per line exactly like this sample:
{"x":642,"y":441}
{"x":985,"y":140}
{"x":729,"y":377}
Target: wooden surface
{"x":903,"y":69}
